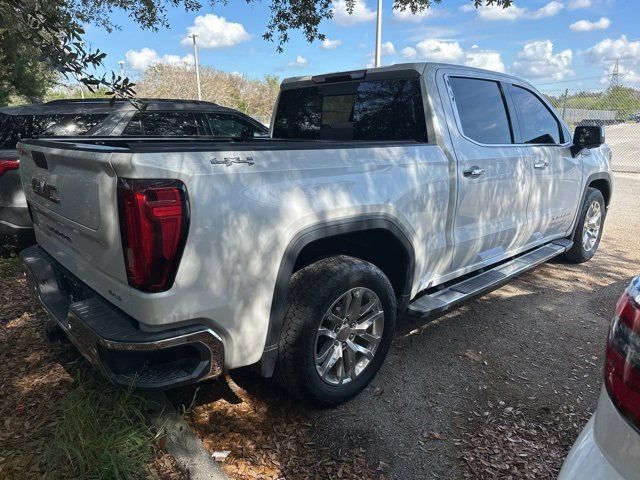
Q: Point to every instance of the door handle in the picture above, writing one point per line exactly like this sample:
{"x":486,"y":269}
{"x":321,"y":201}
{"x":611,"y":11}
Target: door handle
{"x":543,"y":164}
{"x":473,"y":172}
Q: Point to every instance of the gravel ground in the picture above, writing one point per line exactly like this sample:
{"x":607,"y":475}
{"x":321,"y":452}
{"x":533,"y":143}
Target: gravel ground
{"x":498,"y":388}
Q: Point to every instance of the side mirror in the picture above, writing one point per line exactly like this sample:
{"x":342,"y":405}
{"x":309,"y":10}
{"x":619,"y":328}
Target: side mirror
{"x":590,"y":136}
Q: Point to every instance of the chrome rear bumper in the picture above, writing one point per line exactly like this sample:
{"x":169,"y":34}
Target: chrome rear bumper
{"x":112,"y":341}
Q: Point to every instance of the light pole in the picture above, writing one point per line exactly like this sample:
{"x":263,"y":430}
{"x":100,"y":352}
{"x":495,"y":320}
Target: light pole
{"x":195,"y":56}
{"x":379,"y":34}
{"x":121,"y":63}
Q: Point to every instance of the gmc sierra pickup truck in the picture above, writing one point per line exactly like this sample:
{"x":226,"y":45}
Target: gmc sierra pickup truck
{"x":381,"y":192}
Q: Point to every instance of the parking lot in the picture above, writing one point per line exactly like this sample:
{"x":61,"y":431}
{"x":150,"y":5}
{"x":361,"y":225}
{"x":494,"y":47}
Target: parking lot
{"x":498,"y":388}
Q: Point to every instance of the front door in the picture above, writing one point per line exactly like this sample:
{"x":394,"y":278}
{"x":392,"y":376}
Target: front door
{"x":492,"y":173}
{"x":555,"y":175}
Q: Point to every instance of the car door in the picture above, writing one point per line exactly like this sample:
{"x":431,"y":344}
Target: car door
{"x":556,"y":175}
{"x":492,"y":174}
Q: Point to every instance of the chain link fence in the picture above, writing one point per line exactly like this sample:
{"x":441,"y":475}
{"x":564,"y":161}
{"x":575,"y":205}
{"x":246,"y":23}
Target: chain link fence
{"x":616,"y":107}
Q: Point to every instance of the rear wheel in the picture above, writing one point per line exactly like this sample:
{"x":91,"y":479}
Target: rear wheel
{"x":586,"y":238}
{"x":338,"y":327}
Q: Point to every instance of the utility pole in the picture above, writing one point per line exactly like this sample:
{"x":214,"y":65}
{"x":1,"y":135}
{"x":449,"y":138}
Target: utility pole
{"x":195,"y":56}
{"x":379,"y":34}
{"x":121,"y":63}
{"x":615,"y":76}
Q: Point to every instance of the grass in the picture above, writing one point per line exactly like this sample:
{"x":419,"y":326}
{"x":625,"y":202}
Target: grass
{"x":102,"y":434}
{"x":10,"y":266}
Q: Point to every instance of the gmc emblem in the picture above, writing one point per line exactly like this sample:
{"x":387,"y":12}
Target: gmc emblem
{"x":45,"y":190}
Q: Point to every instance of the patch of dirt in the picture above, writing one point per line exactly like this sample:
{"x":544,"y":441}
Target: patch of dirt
{"x":268,"y":435}
{"x":519,"y":443}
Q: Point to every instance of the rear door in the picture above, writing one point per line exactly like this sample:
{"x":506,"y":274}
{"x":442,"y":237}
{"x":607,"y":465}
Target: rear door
{"x":556,"y":176}
{"x":492,"y":173}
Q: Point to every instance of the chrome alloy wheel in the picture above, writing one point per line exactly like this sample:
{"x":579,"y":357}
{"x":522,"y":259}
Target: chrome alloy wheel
{"x":348,"y":336}
{"x":591,"y":228}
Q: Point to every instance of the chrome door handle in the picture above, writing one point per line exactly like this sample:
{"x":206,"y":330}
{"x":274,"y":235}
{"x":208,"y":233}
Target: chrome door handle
{"x":473,"y":172}
{"x":543,"y":164}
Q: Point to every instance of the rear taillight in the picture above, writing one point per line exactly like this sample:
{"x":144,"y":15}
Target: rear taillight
{"x":622,"y":363}
{"x":154,"y":221}
{"x":7,"y":164}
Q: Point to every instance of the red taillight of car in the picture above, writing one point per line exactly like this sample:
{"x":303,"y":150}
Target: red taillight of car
{"x":622,"y":363}
{"x":154,"y":221}
{"x":10,"y":163}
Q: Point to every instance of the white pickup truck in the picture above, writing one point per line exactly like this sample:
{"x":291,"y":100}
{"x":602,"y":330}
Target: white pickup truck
{"x":408,"y":188}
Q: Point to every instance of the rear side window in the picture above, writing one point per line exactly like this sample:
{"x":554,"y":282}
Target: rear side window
{"x":15,"y":127}
{"x":537,"y":123}
{"x":225,"y":125}
{"x":368,"y":110}
{"x":163,"y":124}
{"x":482,"y":110}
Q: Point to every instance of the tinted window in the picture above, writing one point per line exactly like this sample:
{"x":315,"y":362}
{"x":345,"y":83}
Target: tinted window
{"x":163,"y":124}
{"x":537,"y":123}
{"x":482,"y":110}
{"x":225,"y":125}
{"x":374,"y":110}
{"x":15,"y":127}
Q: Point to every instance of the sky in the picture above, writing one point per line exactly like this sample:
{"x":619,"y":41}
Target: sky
{"x":555,"y":44}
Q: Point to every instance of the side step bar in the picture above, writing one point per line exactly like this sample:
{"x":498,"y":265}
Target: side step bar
{"x":443,"y":300}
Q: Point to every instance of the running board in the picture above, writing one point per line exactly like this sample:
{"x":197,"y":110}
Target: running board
{"x":443,"y":300}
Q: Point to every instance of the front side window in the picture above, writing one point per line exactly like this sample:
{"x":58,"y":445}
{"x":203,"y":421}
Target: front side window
{"x":482,"y":110}
{"x":162,"y":124}
{"x":367,"y":110}
{"x":225,"y":125}
{"x":537,"y":123}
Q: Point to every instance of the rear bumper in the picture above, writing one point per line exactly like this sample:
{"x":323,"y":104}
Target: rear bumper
{"x":112,"y":341}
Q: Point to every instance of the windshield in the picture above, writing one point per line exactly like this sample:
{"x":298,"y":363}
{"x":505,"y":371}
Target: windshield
{"x":15,"y":127}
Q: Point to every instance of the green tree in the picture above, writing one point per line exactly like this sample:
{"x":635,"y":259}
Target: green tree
{"x":50,"y":33}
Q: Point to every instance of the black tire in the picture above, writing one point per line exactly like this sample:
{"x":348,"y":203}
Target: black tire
{"x":578,"y":253}
{"x":312,"y":292}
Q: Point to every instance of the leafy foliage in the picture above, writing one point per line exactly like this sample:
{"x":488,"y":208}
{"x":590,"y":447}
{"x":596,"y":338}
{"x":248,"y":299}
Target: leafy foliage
{"x":38,"y":37}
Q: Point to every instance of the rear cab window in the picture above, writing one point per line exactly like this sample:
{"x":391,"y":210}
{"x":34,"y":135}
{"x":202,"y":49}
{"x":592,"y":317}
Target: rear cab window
{"x":390,"y":110}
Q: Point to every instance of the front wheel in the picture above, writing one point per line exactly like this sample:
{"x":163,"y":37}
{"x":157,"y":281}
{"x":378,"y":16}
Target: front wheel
{"x":586,"y":238}
{"x":338,"y":326}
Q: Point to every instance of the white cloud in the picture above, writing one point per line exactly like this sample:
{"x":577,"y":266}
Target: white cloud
{"x":578,"y":4}
{"x":536,"y":60}
{"x":300,"y":61}
{"x":215,"y":32}
{"x":487,"y":59}
{"x":610,"y":50}
{"x":361,"y":13}
{"x":587,"y":26}
{"x":330,"y":44}
{"x":406,"y":15}
{"x":140,"y":60}
{"x":387,"y":48}
{"x":495,"y":12}
{"x":434,"y":51}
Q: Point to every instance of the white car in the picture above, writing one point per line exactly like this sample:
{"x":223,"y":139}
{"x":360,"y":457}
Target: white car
{"x":609,"y":446}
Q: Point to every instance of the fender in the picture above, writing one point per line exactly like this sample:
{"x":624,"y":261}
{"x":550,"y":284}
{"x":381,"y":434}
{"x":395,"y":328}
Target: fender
{"x":304,"y":238}
{"x":594,"y":176}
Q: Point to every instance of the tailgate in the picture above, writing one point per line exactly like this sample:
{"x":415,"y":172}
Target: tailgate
{"x":72,"y":193}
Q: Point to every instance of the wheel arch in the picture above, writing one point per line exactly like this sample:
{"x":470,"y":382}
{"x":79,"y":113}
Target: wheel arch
{"x":601,"y":181}
{"x":324,"y":239}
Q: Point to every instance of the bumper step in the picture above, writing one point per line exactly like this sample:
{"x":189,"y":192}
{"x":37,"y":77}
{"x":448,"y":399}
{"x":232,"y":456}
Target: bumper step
{"x":442,"y":300}
{"x":112,"y":341}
